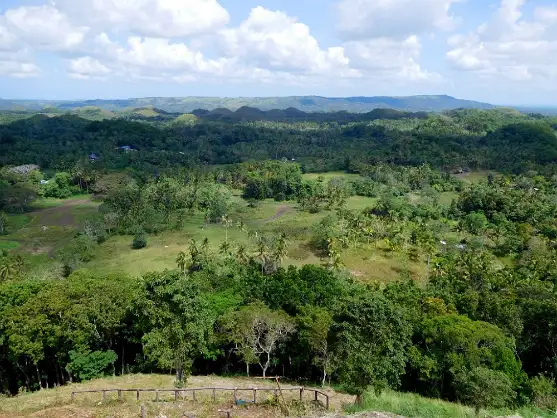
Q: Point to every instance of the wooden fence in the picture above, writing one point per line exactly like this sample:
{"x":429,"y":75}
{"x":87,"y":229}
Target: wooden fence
{"x":181,"y":393}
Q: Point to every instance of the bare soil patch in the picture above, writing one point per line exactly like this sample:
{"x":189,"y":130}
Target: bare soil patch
{"x":283,"y":210}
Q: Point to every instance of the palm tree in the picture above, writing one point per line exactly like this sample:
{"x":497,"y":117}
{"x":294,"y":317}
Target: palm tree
{"x":8,"y":269}
{"x":281,"y":249}
{"x":227,"y":222}
{"x":194,"y":251}
{"x":241,"y":226}
{"x":262,"y":252}
{"x":253,"y":234}
{"x":241,"y":254}
{"x":181,"y":261}
{"x":224,"y":248}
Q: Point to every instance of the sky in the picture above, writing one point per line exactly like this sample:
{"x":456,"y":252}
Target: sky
{"x":499,"y":51}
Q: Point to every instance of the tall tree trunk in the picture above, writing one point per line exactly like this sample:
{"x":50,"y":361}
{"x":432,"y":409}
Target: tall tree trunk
{"x":324,"y":376}
{"x":123,"y":361}
{"x":59,"y":376}
{"x":247,"y":368}
{"x":39,"y":376}
{"x":360,"y":400}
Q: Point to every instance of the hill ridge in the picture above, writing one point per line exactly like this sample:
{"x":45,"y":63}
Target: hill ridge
{"x":315,"y":103}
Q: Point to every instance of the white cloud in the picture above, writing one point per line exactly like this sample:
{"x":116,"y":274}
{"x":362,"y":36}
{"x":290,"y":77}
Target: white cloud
{"x":43,"y":27}
{"x":8,"y":42}
{"x":389,"y":58}
{"x":146,"y":59}
{"x":364,"y":19}
{"x":152,"y":18}
{"x":275,"y":41}
{"x":510,"y":46}
{"x":87,"y":67}
{"x":17,"y":64}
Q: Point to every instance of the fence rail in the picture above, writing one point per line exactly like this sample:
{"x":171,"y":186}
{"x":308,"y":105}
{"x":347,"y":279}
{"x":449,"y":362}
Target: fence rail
{"x":181,"y":393}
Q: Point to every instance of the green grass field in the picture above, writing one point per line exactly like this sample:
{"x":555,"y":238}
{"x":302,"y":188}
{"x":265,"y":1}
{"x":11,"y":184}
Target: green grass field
{"x":375,"y":263}
{"x":410,"y":405}
{"x":57,"y":402}
{"x":54,"y":222}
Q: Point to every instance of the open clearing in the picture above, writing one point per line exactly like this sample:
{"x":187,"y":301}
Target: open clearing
{"x":54,"y":222}
{"x":50,"y":226}
{"x":57,"y":403}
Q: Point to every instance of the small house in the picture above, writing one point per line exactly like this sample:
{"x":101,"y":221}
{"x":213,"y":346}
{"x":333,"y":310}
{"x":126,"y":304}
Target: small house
{"x":44,"y":181}
{"x":93,"y":157}
{"x":126,"y":148}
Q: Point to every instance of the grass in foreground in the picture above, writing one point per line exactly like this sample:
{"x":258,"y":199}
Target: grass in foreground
{"x":57,"y":402}
{"x":411,"y":405}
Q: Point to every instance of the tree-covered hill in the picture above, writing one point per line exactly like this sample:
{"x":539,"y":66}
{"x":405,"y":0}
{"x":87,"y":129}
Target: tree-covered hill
{"x":489,"y":139}
{"x":305,"y":103}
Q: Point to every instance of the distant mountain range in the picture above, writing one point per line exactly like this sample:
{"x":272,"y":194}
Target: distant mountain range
{"x":303,"y":103}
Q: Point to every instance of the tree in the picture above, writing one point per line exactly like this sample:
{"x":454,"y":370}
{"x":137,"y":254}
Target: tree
{"x":139,"y":241}
{"x":181,"y":261}
{"x":3,"y":223}
{"x":256,"y":331}
{"x":7,"y":269}
{"x":227,"y":223}
{"x":176,"y":321}
{"x":281,"y":249}
{"x":482,"y":387}
{"x":451,"y":344}
{"x":314,"y":324}
{"x":90,"y":365}
{"x":370,"y":338}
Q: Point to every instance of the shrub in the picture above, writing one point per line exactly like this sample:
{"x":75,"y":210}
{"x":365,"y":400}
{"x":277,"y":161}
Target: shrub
{"x":543,"y":392}
{"x":139,"y":241}
{"x":482,"y":387}
{"x":87,"y":365}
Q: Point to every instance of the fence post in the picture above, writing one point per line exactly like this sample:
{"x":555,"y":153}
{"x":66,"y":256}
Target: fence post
{"x":175,"y":396}
{"x":137,"y":394}
{"x":143,"y":412}
{"x":301,"y":394}
{"x":194,"y":397}
{"x":104,"y":396}
{"x":214,"y":395}
{"x":235,"y":395}
{"x":254,"y":396}
{"x":119,"y":395}
{"x":327,"y":402}
{"x":316,"y":398}
{"x":73,"y":396}
{"x":157,"y":395}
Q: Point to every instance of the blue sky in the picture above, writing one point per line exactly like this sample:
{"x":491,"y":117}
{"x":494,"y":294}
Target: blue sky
{"x":500,"y":51}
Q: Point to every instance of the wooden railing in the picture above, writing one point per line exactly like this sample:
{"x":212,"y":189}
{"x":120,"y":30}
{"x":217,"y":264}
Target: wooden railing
{"x":181,"y":393}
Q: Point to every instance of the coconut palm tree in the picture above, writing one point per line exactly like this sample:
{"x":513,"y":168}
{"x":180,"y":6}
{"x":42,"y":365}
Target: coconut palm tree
{"x":281,"y":248}
{"x":227,"y":222}
{"x":8,"y":269}
{"x":181,"y":261}
{"x":241,"y":254}
{"x":224,"y":248}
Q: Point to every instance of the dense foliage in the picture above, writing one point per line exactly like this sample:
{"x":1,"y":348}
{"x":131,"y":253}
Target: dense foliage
{"x":467,"y":138}
{"x":479,"y":329}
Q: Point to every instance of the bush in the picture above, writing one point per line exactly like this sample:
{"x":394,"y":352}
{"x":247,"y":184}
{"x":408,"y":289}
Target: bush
{"x":87,"y":365}
{"x":139,"y":241}
{"x":543,"y":392}
{"x":482,"y":387}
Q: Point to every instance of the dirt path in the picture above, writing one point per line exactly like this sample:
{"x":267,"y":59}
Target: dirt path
{"x":283,"y":210}
{"x":59,"y":215}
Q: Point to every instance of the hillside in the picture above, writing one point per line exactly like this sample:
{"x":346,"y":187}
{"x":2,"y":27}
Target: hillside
{"x":57,"y":403}
{"x":304,"y":103}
